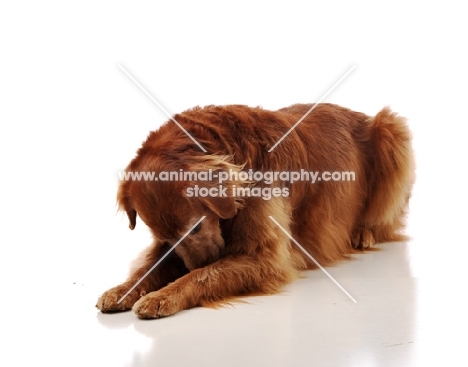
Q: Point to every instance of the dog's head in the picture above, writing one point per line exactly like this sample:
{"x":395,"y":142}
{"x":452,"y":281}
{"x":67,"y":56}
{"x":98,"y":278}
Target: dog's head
{"x":171,"y":208}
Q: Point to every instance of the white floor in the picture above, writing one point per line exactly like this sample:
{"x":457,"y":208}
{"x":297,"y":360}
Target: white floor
{"x":70,"y":119}
{"x":402,"y":317}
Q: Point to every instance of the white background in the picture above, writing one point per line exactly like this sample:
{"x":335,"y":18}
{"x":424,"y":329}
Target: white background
{"x":70,"y":119}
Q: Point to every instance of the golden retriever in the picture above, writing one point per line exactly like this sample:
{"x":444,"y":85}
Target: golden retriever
{"x":238,"y":249}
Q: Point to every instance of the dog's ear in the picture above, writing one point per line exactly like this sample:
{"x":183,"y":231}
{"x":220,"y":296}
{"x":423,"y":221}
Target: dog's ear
{"x":131,"y":213}
{"x":124,"y":203}
{"x":223,"y":207}
{"x":132,"y":218}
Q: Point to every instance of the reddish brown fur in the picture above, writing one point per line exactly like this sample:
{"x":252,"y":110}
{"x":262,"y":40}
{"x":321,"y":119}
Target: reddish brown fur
{"x":239,"y":250}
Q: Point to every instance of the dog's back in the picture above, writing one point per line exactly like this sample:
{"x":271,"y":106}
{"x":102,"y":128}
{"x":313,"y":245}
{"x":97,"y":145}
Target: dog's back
{"x":332,"y":217}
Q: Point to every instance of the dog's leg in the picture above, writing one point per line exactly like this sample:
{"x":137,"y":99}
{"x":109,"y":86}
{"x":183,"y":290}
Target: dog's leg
{"x":229,"y":277}
{"x":170,"y":269}
{"x":259,"y":262}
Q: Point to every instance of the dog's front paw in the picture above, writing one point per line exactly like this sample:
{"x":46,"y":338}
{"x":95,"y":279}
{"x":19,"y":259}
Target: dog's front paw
{"x":109,"y":301}
{"x":157,"y":304}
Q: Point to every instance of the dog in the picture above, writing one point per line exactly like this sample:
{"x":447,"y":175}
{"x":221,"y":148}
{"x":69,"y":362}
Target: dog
{"x":237,"y":245}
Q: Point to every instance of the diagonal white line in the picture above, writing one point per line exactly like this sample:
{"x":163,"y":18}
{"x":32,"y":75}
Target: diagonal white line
{"x":313,"y":107}
{"x":161,"y":107}
{"x":161,"y":259}
{"x":315,"y":261}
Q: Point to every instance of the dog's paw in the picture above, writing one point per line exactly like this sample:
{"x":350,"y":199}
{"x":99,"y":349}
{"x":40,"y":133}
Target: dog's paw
{"x":156,"y":305}
{"x":109,"y":301}
{"x":363,"y":239}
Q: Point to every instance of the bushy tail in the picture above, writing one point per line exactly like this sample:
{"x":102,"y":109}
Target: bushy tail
{"x":393,"y":175}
